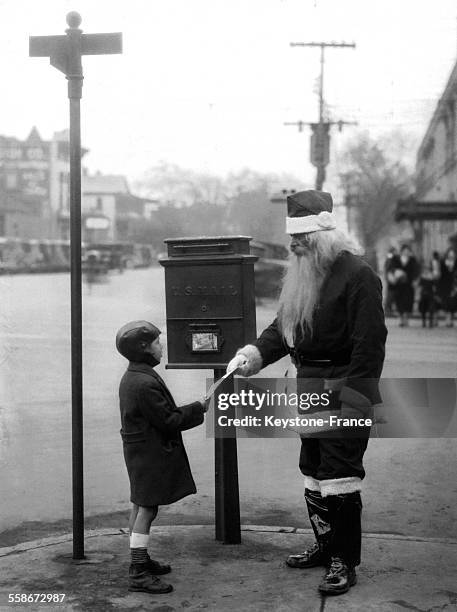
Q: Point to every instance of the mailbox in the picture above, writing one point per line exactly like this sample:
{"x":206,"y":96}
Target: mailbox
{"x":210,"y":302}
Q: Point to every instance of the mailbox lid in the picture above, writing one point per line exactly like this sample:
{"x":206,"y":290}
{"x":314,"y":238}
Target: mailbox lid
{"x":208,"y":246}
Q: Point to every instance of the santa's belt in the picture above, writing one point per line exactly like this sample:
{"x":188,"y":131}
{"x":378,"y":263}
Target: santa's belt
{"x":301,"y":360}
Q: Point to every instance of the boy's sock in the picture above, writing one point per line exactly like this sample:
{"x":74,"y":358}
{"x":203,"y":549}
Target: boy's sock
{"x":139,"y":548}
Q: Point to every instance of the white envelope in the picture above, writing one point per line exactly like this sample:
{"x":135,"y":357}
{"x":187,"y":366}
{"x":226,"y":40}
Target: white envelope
{"x":211,"y":391}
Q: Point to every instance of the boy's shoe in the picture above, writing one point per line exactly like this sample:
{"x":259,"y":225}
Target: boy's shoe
{"x":338,"y":579}
{"x":141,"y":579}
{"x":156,"y":568}
{"x":312,"y":557}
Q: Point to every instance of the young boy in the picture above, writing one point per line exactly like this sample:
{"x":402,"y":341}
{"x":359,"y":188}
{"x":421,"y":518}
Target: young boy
{"x":154,"y":452}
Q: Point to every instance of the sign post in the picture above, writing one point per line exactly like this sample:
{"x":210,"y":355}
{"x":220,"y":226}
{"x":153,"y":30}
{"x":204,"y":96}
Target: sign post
{"x":65,"y":54}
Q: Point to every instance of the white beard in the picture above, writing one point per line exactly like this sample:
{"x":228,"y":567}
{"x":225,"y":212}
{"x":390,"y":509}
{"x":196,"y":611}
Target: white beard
{"x":299,"y":296}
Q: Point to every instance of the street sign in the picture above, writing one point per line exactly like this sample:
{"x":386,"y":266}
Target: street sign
{"x":57,"y":49}
{"x":65,"y":53}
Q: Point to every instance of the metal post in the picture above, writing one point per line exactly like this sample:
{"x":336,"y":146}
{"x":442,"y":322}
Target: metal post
{"x":227,"y":497}
{"x":65,"y":53}
{"x":76,"y":330}
{"x":75,"y":79}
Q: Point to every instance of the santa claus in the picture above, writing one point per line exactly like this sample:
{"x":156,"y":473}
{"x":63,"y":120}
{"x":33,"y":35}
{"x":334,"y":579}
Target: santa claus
{"x":330,"y":320}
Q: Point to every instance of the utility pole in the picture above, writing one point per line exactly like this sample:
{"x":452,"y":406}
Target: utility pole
{"x":320,"y":137}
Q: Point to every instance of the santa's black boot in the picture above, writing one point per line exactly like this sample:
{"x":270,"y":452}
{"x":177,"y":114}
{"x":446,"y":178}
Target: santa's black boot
{"x":338,"y":578}
{"x":317,"y":554}
{"x":345,"y":543}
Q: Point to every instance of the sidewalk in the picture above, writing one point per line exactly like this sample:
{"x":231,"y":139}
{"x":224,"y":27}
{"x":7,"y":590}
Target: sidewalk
{"x":398,"y":573}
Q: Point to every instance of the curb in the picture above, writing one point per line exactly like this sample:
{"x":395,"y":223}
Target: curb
{"x":94,"y":533}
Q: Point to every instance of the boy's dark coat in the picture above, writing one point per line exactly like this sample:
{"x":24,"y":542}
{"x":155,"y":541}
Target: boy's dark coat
{"x":154,"y":452}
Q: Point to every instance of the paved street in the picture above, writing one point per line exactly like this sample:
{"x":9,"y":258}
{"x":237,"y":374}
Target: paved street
{"x":410,"y":488}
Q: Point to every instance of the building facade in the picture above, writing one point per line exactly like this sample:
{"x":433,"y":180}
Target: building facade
{"x":110,"y":211}
{"x":34,"y":186}
{"x":432,"y":210}
{"x":24,"y":186}
{"x":35,"y":194}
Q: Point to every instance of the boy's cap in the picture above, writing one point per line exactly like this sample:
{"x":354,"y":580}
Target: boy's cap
{"x":131,"y":335}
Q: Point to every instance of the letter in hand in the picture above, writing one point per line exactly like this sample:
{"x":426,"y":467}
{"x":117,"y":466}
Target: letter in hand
{"x":212,"y":390}
{"x":237,"y":364}
{"x":205,"y":401}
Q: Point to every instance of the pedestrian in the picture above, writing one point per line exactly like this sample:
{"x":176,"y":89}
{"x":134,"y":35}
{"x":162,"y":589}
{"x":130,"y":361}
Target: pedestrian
{"x":330,"y":320}
{"x":389,"y":266}
{"x":428,"y":295}
{"x":154,"y":453}
{"x":405,"y":273}
{"x":447,"y":285}
{"x":436,"y":265}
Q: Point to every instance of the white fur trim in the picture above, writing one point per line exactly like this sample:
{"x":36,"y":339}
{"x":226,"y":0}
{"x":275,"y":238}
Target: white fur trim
{"x":139,"y":540}
{"x":311,"y":223}
{"x":254,"y":360}
{"x":312,"y":484}
{"x":336,"y":486}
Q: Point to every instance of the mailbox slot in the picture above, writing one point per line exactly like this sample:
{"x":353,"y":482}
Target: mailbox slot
{"x":198,"y":249}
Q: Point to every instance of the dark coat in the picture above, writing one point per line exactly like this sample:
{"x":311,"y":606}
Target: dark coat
{"x":154,"y":452}
{"x":447,"y":287}
{"x":348,"y":330}
{"x":390,"y":265}
{"x":404,"y":287}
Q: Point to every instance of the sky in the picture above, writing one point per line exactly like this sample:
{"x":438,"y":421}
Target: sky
{"x":209,"y":84}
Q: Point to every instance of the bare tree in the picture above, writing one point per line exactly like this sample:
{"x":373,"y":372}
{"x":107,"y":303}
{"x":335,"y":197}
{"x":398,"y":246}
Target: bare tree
{"x":195,"y":203}
{"x":374,"y":178}
{"x":172,"y":184}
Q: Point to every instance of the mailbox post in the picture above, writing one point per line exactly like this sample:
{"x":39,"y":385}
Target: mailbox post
{"x":210,"y":301}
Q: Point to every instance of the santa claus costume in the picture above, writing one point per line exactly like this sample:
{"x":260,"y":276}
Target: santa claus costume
{"x":331,"y":321}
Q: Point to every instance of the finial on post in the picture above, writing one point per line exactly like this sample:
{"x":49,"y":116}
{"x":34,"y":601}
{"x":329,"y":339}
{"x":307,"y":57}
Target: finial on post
{"x":74,"y":19}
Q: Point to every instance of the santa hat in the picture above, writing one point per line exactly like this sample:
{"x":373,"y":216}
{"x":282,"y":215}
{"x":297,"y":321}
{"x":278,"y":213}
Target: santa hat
{"x":309,"y":211}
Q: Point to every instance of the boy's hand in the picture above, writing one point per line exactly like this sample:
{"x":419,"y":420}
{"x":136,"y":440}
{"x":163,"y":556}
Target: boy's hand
{"x":205,"y":401}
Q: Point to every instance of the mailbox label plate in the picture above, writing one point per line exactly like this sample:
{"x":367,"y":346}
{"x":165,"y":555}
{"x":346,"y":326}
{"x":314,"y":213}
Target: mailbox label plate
{"x":204,"y":291}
